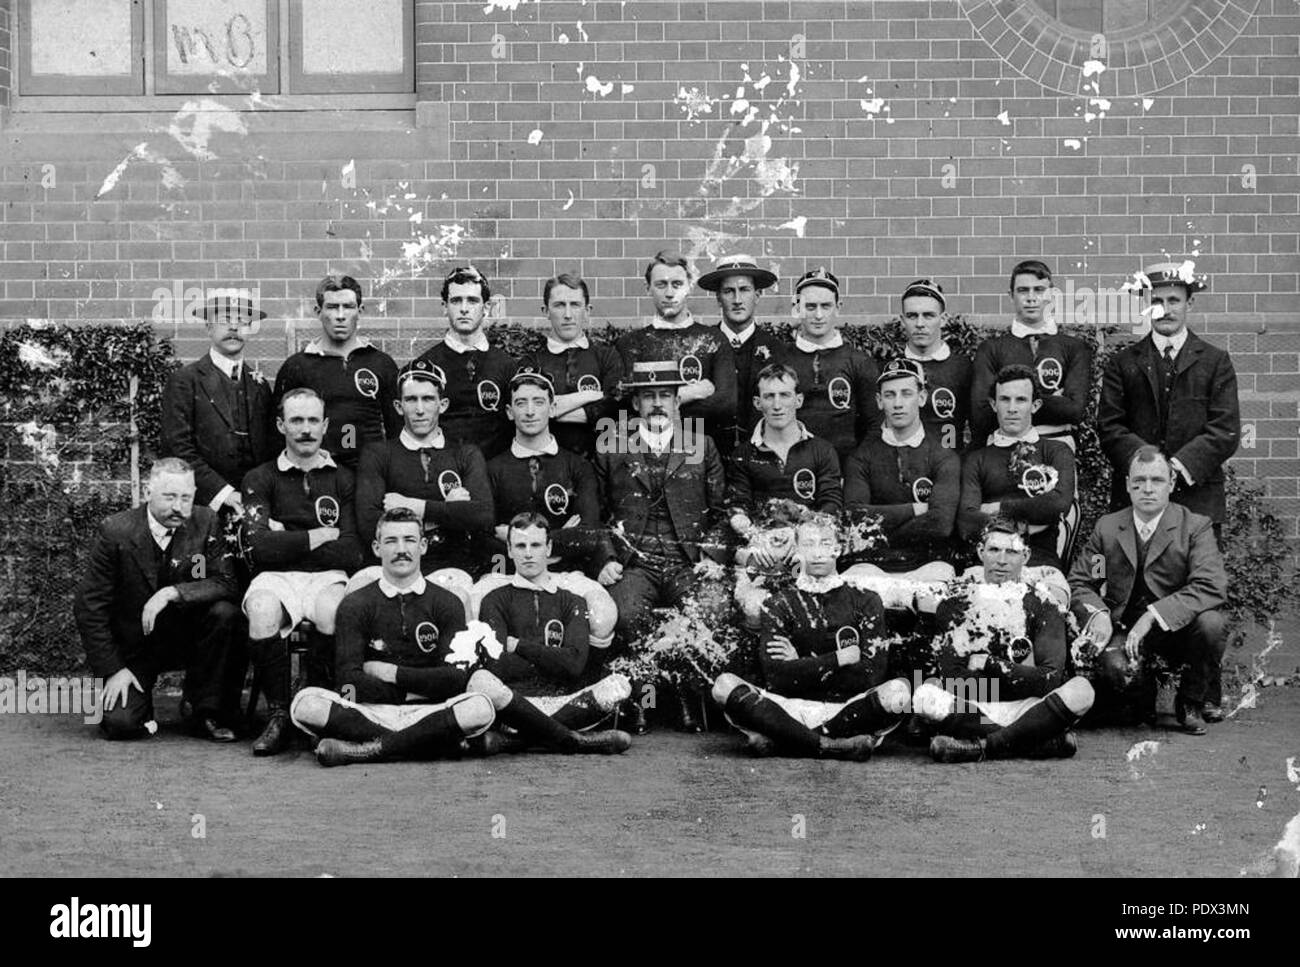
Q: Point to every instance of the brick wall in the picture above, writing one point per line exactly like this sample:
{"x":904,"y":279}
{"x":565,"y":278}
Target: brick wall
{"x":906,"y":138}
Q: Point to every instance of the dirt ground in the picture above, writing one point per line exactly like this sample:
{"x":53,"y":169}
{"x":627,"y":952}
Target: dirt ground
{"x":675,"y":805}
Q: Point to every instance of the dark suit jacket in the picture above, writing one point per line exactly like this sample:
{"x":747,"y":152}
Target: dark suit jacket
{"x":197,"y":428}
{"x":695,"y":490}
{"x":123,"y":575}
{"x":1203,"y":427}
{"x":1184,"y":568}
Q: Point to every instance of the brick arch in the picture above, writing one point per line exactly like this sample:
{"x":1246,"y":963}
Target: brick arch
{"x":1144,"y":61}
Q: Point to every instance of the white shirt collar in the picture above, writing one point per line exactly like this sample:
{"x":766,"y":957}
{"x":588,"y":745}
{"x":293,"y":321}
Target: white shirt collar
{"x":321,"y":459}
{"x":830,"y":582}
{"x":392,"y":590}
{"x":739,"y":339}
{"x":437,"y":439}
{"x":916,"y":438}
{"x":683,"y":321}
{"x":756,"y":438}
{"x":1176,"y":341}
{"x":547,"y":583}
{"x":1021,"y":331}
{"x":453,"y":341}
{"x":999,"y":439}
{"x":659,"y":441}
{"x":803,"y":345}
{"x":225,"y":363}
{"x":317,"y":348}
{"x":557,"y":348}
{"x":161,"y":535}
{"x":938,"y":356}
{"x":517,"y":449}
{"x":1145,"y":531}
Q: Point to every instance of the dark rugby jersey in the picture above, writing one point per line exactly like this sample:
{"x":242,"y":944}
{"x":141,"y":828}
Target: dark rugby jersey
{"x":703,"y":353}
{"x":839,"y":393}
{"x":411,"y":630}
{"x":947,"y":406}
{"x":571,"y":371}
{"x":478,"y":384}
{"x":818,"y":623}
{"x":551,"y":625}
{"x":1062,"y":369}
{"x":301,"y":501}
{"x":809,"y":476}
{"x":358,"y":392}
{"x":557,"y":485}
{"x":455,"y":529}
{"x":885,"y":480}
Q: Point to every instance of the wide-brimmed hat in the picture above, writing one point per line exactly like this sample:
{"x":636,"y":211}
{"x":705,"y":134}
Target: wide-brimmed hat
{"x":737,"y":265}
{"x":646,"y":375}
{"x":231,"y":302}
{"x":1175,"y":273}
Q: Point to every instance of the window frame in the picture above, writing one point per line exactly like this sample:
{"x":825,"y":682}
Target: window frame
{"x":80,"y":85}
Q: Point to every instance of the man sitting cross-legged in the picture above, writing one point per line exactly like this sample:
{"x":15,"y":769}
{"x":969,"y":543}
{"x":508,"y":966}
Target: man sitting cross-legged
{"x":824,"y":662}
{"x":545,"y":631}
{"x":398,"y":696}
{"x":1012,"y":637}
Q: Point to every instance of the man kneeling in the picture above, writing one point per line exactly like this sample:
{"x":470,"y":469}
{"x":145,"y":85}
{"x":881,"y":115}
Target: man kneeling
{"x":1013,"y":637}
{"x":398,"y":697}
{"x":824,"y":662}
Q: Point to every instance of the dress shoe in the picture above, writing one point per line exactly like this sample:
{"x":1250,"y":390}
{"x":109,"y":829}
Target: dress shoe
{"x":636,"y":717}
{"x":856,"y":748}
{"x":1189,"y":717}
{"x":610,"y":742}
{"x":1166,"y":720}
{"x":275,"y":737}
{"x":209,"y":728}
{"x":759,"y":746}
{"x":687,"y":702}
{"x":1062,"y":746}
{"x":336,"y":752}
{"x":946,"y":748}
{"x":1213,"y":712}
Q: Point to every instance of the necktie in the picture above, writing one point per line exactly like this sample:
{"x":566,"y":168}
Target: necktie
{"x":1169,"y":359}
{"x":234,"y":374}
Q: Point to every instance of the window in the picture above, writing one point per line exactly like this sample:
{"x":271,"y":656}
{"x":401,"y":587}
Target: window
{"x":82,"y":55}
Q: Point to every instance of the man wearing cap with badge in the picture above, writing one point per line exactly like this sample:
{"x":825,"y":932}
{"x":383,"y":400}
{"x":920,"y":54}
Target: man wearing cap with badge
{"x":444,"y":484}
{"x":586,"y":376}
{"x":1175,"y":391}
{"x":663,"y":491}
{"x":703,"y":357}
{"x":946,"y":410}
{"x":300,"y":529}
{"x":904,"y":475}
{"x":474,"y":373}
{"x":358,"y":393}
{"x":217,"y":414}
{"x":738,"y":281}
{"x":838,"y":382}
{"x":780,"y":460}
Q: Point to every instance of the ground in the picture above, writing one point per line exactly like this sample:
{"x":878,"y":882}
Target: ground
{"x":674,"y":805}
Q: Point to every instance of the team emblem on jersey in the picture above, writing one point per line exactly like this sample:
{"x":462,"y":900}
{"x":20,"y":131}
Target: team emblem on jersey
{"x":1038,"y":480}
{"x":553,"y":634}
{"x":840,"y":393}
{"x":327,"y":511}
{"x":366,"y":382}
{"x":922,"y":488}
{"x":805,"y":483}
{"x":587,"y":383}
{"x":1050,"y":373}
{"x":944,"y":402}
{"x":1020,"y":648}
{"x":448,"y":481}
{"x":557,"y":499}
{"x":426,"y":636}
{"x":846,"y":636}
{"x":692,"y":369}
{"x":489,"y":395}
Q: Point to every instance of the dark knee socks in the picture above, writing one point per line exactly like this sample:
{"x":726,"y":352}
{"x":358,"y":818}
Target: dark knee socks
{"x":752,"y":711}
{"x":1043,"y":721}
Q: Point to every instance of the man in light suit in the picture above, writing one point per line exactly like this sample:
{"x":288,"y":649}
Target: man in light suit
{"x":216,"y":412}
{"x":1151,"y":579}
{"x":1175,"y":391}
{"x":159,"y":593}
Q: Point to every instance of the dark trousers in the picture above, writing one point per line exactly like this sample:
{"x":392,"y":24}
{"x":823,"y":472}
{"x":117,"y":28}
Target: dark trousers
{"x":1196,"y":650}
{"x":644,"y":587}
{"x":206,"y":640}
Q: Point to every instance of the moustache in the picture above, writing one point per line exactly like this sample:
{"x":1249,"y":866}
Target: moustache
{"x":306,"y":438}
{"x":401,"y":557}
